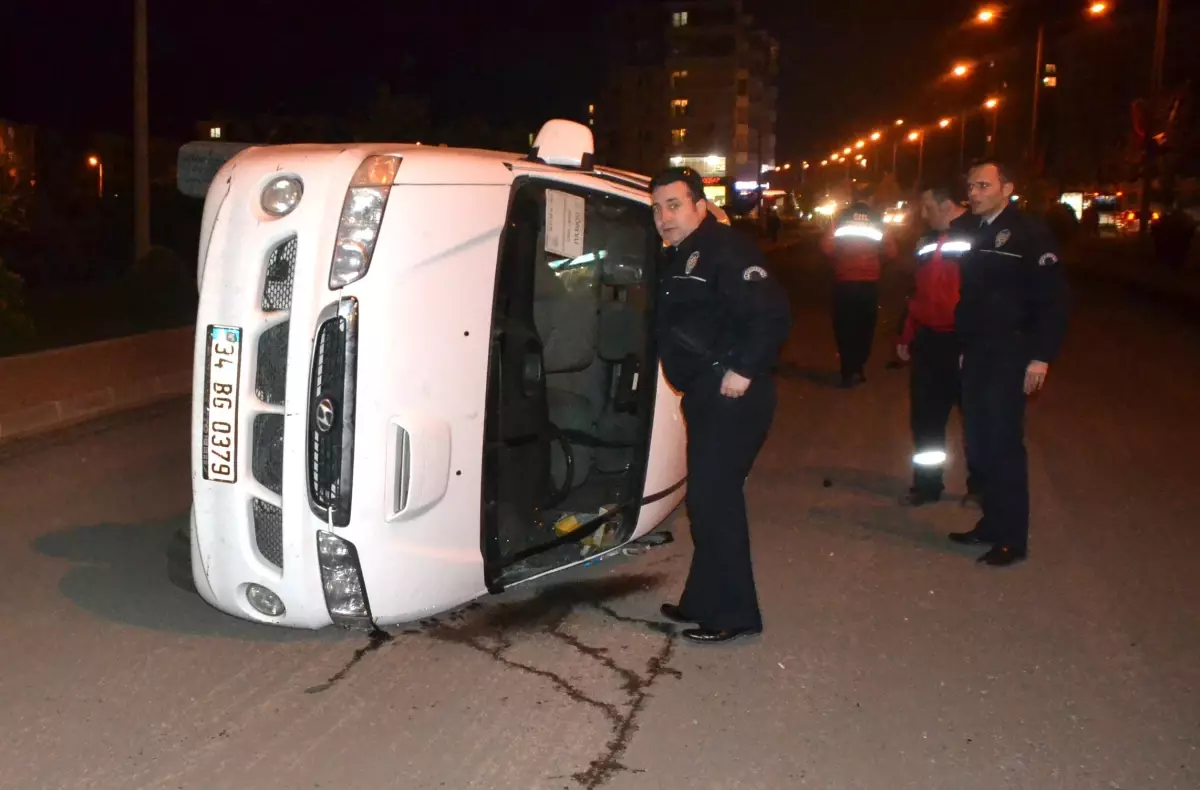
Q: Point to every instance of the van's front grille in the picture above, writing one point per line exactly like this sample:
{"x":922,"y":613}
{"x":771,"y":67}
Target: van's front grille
{"x":281,"y":266}
{"x":268,"y":532}
{"x":266,"y":460}
{"x":270,"y":386}
{"x":331,"y":412}
{"x":270,"y":376}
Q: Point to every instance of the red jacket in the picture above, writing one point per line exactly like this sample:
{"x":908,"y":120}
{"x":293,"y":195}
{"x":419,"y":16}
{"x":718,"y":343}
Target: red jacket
{"x":937,"y":283}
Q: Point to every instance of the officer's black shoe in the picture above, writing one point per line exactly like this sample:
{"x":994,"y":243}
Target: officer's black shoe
{"x":916,"y":497}
{"x":1002,"y":556}
{"x":674,"y":614}
{"x":712,"y":636}
{"x":975,"y":537}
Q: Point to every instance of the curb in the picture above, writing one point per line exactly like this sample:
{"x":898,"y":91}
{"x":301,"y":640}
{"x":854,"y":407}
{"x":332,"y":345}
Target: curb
{"x":63,"y":387}
{"x":52,"y":415}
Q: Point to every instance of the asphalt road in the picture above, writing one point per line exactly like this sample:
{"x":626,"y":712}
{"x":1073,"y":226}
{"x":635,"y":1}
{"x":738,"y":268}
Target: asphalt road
{"x":890,"y":660}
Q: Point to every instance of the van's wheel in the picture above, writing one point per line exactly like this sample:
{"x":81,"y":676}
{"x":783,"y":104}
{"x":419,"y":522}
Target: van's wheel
{"x":179,"y":560}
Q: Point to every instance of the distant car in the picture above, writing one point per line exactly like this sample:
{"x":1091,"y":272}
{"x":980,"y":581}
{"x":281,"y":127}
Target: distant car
{"x":421,"y":375}
{"x":1130,"y":221}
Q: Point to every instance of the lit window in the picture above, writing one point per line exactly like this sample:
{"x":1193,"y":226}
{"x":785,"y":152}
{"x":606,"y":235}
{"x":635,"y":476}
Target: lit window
{"x":215,"y":133}
{"x":679,"y":18}
{"x":678,"y":136}
{"x":1050,"y":82}
{"x":679,"y":108}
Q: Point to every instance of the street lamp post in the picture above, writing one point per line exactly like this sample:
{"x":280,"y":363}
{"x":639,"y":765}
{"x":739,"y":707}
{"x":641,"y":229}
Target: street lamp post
{"x":1156,"y":77}
{"x":962,"y":139}
{"x":141,"y":134}
{"x":994,"y":106}
{"x":94,"y":161}
{"x":1037,"y":89}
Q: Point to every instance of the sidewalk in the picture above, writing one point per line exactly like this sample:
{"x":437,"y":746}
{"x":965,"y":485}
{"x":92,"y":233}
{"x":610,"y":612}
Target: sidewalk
{"x":1121,"y":261}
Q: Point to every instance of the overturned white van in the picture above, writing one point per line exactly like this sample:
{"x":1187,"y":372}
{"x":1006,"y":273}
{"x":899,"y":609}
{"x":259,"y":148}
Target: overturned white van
{"x":422,"y":374}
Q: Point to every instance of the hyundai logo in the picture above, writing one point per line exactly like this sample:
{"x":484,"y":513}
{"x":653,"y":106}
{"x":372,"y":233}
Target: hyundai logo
{"x":326,"y":415}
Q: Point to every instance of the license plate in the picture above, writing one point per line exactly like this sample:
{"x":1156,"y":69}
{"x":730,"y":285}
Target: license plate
{"x":224,"y":370}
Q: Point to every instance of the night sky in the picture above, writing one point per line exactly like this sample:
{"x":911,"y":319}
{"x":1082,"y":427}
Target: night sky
{"x":846,"y":64}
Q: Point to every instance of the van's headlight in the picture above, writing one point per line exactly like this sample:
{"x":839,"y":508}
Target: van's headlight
{"x":342,"y":581}
{"x":362,"y":214}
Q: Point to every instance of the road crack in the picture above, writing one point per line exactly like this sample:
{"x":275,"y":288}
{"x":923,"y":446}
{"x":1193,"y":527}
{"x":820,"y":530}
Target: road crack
{"x":376,"y":639}
{"x":637,"y":686}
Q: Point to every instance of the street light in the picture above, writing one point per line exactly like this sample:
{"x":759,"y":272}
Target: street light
{"x":94,"y":161}
{"x":993,"y":104}
{"x":875,"y":136}
{"x":986,"y":14}
{"x":917,"y":137}
{"x":1095,"y":10}
{"x":846,"y":150}
{"x":824,"y":163}
{"x":961,"y":70}
{"x":944,"y":122}
{"x":899,"y":121}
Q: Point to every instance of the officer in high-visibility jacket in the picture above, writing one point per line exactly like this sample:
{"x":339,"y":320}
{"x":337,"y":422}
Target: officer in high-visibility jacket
{"x":1011,"y":317}
{"x":928,"y":338}
{"x":858,"y":245}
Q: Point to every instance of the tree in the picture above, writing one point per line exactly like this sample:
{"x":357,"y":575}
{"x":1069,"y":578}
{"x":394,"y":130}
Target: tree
{"x":395,"y":119}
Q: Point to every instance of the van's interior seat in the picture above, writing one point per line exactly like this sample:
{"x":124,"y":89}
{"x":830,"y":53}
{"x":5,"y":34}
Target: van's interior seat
{"x":621,"y":347}
{"x":567,"y":325}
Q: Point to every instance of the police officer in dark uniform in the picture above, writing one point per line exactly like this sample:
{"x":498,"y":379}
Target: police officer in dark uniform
{"x":928,"y":338}
{"x":1011,"y":318}
{"x":722,"y":319}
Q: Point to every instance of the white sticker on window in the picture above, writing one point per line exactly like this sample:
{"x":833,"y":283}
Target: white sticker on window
{"x":564,"y":223}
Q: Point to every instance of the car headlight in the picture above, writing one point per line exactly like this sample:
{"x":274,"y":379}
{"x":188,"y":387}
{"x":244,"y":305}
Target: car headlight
{"x":281,"y":196}
{"x":342,"y":582}
{"x":362,"y":214}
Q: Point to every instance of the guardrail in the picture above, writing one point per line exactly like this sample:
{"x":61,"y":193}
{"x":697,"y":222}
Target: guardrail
{"x":53,"y":389}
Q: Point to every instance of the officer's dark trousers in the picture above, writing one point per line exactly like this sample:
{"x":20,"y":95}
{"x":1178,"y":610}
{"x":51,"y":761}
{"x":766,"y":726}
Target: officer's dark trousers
{"x":855,"y":311}
{"x":993,"y":388}
{"x":724,"y":436}
{"x":934,"y":391}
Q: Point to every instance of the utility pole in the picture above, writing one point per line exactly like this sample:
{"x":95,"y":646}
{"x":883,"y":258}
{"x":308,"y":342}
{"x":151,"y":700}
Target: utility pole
{"x":1037,"y":89}
{"x":962,"y":140}
{"x":1151,"y":125}
{"x":141,"y":134}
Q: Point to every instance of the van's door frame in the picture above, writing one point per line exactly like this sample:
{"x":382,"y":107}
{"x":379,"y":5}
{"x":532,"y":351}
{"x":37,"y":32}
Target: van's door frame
{"x":494,"y":562}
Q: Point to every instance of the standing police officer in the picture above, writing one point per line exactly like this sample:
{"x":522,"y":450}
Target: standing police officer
{"x":856,"y":242}
{"x":721,"y":322}
{"x":1011,"y":317}
{"x":928,"y":337}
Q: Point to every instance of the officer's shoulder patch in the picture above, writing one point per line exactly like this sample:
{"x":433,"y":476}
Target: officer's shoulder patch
{"x":1049,"y":259}
{"x":692,"y":260}
{"x":1002,"y":238}
{"x":754,"y":273}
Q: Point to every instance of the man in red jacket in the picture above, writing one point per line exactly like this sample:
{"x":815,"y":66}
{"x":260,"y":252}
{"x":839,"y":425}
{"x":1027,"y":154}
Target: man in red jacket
{"x":857,"y":243}
{"x":928,"y":338}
